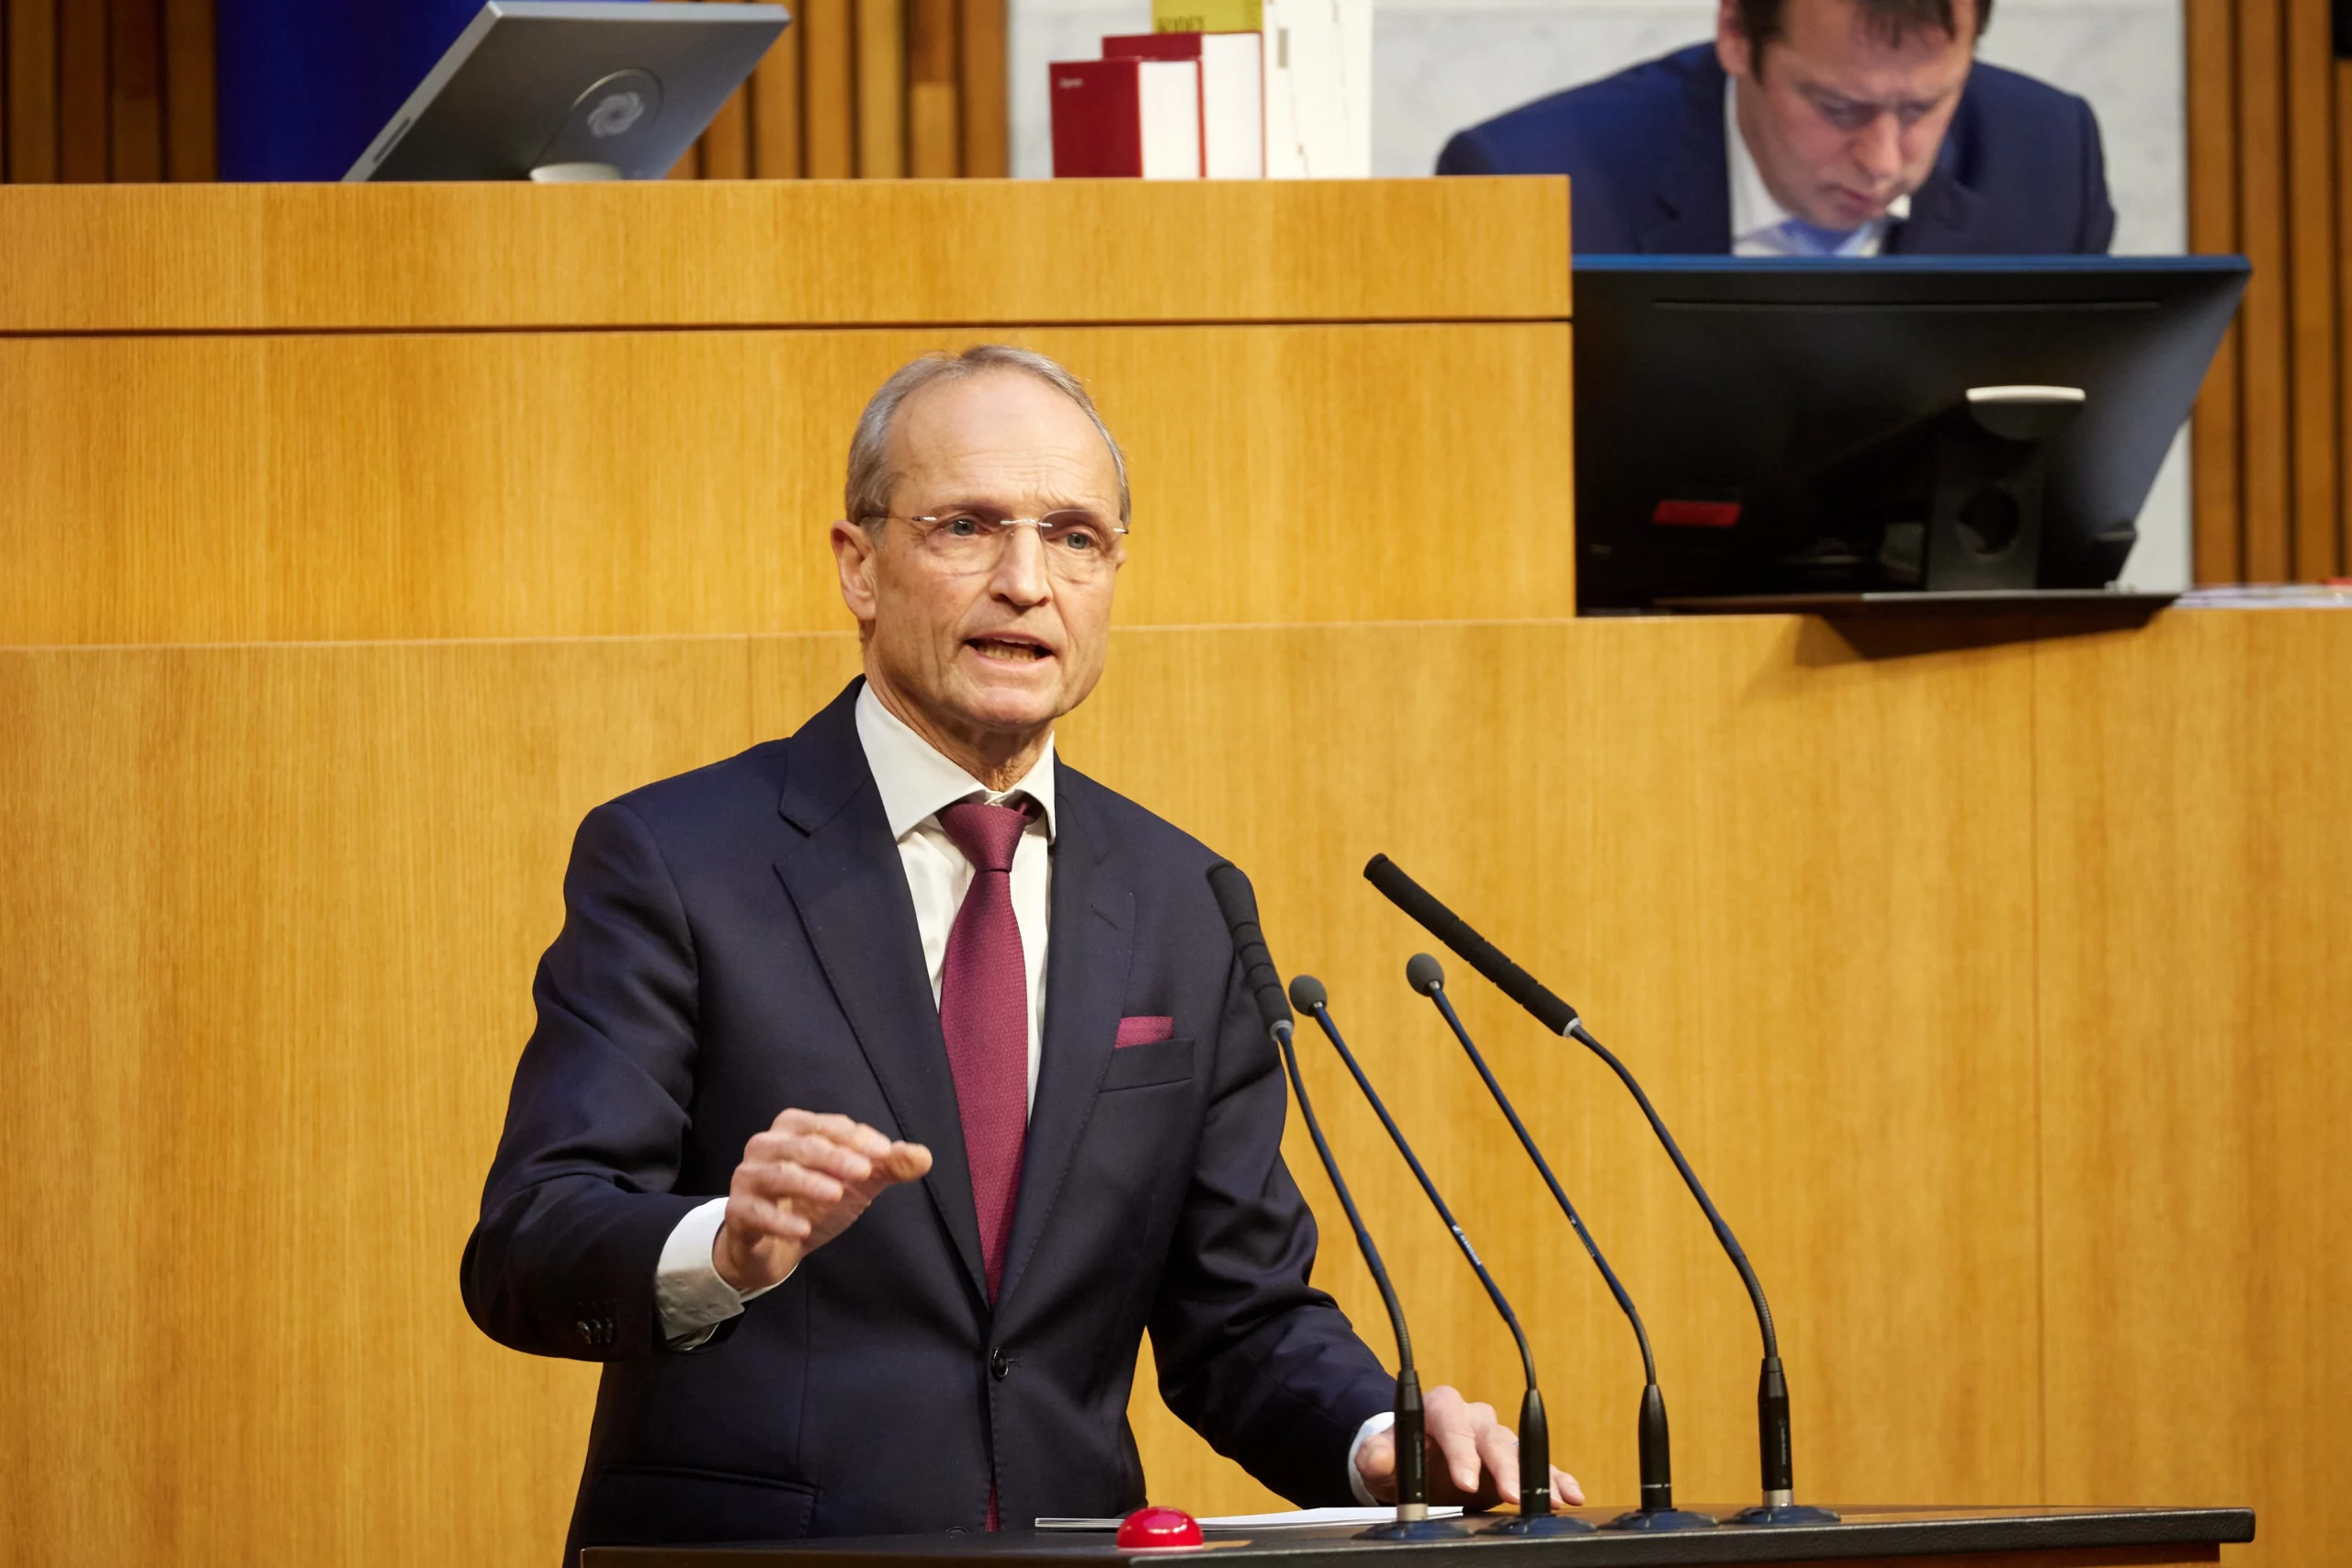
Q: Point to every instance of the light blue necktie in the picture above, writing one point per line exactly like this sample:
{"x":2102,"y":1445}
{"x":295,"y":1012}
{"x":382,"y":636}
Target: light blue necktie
{"x":1813,"y":239}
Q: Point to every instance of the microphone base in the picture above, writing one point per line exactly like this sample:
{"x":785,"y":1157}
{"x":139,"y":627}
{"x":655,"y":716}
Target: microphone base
{"x":1414,"y":1529}
{"x":1533,"y":1525}
{"x":1658,"y":1520}
{"x":1784,"y":1514}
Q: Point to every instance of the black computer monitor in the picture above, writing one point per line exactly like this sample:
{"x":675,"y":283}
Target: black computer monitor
{"x":1816,"y":431}
{"x":571,"y":90}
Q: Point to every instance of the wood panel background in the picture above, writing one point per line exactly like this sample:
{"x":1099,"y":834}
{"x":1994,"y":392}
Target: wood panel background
{"x":99,"y":90}
{"x":869,"y":89}
{"x":123,"y":90}
{"x":2270,"y":176}
{"x":1993,"y":987}
{"x":2028,"y":1120}
{"x":1299,"y":412}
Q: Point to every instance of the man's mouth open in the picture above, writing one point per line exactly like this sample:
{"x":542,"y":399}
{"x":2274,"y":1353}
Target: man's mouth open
{"x":1009,"y":649}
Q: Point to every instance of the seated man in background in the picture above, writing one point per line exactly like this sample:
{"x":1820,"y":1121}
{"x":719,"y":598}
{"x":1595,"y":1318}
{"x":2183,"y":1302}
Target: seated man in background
{"x":893,"y":1079}
{"x":1838,"y":128}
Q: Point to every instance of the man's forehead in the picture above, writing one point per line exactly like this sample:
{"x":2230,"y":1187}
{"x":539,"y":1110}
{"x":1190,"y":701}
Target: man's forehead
{"x":1002,"y":420}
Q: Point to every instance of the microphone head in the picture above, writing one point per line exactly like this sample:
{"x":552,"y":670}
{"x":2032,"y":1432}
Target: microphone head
{"x":1425,"y":973}
{"x":1237,"y":901}
{"x":1307,"y":993}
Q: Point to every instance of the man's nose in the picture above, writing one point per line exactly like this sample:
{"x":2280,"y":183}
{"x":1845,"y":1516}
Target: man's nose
{"x":1021,"y":577}
{"x":1878,"y":148}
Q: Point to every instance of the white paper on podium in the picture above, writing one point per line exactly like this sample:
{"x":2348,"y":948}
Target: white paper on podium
{"x":1296,"y":1519}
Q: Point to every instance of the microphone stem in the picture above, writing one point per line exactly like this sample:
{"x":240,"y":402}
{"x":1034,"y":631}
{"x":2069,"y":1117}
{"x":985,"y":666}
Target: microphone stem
{"x":1641,"y":1335}
{"x":1347,"y":1202}
{"x":1576,"y":1030}
{"x":1412,"y":1458}
{"x":1526,"y":1357}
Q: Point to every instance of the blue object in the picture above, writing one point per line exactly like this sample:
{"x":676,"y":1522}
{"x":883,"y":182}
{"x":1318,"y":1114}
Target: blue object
{"x":2022,"y":172}
{"x":306,"y":85}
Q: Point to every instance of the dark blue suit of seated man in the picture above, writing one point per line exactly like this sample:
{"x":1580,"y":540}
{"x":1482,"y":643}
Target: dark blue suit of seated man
{"x":892,"y":1080}
{"x":1846,"y":128}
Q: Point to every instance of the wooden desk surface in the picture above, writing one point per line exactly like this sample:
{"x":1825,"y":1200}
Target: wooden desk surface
{"x":768,"y":253}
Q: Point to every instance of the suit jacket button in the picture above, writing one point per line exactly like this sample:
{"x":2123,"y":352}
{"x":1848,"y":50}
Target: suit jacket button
{"x":999,"y":1367}
{"x":586,"y":1331}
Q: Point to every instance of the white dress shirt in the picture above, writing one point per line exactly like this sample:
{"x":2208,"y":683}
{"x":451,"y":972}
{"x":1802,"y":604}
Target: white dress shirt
{"x":915,"y":782}
{"x":1759,"y":224}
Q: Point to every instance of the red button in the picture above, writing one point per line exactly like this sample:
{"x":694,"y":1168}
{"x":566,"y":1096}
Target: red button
{"x":1696,"y":514}
{"x":1159,"y":1529}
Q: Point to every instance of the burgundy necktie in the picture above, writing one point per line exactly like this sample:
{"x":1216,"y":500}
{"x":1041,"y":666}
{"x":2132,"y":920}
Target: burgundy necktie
{"x":984,"y":1012}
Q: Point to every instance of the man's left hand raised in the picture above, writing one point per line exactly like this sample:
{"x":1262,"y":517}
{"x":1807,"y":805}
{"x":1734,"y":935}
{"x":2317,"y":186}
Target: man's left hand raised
{"x":1473,"y":1458}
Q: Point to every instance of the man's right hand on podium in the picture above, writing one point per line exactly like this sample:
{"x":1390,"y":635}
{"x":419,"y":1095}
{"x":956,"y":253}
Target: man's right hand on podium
{"x":801,"y":1183}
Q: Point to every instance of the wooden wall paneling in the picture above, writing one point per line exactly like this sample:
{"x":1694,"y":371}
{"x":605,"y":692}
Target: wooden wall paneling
{"x":934,"y":113}
{"x":689,"y":165}
{"x":82,"y":105}
{"x":726,"y":144}
{"x":2267,"y":490}
{"x":269,"y":974}
{"x":271,"y":970}
{"x":290,"y":258}
{"x":272,"y":486}
{"x":2344,"y":312}
{"x":775,"y":109}
{"x":189,"y":95}
{"x":2194,"y":1085}
{"x":2210,"y":61}
{"x":135,"y":80}
{"x":2314,"y":266}
{"x":881,"y":88}
{"x":33,"y":91}
{"x":1740,"y":962}
{"x":829,"y":89}
{"x":986,"y":115}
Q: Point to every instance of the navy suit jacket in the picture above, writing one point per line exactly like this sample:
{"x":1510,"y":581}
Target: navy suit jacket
{"x":2020,"y":171}
{"x":740,"y":939}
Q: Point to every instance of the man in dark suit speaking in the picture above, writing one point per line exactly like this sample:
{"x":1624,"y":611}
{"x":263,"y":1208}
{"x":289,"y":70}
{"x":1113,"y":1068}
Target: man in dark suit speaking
{"x":891,"y":1080}
{"x":1815,"y":128}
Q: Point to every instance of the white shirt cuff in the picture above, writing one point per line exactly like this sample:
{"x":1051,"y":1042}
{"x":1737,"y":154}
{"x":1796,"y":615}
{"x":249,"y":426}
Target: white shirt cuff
{"x":1372,"y":1427}
{"x":688,"y":1292}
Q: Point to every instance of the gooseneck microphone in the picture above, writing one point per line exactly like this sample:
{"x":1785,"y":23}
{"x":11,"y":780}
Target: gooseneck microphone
{"x":1237,"y":901}
{"x":1535,"y":1515}
{"x":1779,"y":1506}
{"x":1657,"y":1511}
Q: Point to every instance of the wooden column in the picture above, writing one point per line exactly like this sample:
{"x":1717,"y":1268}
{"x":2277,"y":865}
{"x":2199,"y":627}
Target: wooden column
{"x":828,"y":90}
{"x":986,"y":115}
{"x":934,"y":122}
{"x":105,"y":90}
{"x":2270,"y":147}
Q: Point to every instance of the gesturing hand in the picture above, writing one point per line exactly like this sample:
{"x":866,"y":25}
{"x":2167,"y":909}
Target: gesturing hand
{"x":801,"y":1183}
{"x":1473,"y":1458}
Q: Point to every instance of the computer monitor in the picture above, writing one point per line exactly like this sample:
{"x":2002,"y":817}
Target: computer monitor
{"x":571,"y":89}
{"x":1807,"y":432}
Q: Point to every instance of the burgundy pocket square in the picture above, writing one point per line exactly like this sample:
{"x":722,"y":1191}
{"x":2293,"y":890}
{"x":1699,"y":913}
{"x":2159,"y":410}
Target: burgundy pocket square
{"x":1145,"y":1031}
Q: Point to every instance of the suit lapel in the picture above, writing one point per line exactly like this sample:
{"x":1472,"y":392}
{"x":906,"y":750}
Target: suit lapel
{"x":1086,"y":980}
{"x":1693,"y":189}
{"x":844,"y":879}
{"x":1944,"y":210}
{"x":1942,"y":213}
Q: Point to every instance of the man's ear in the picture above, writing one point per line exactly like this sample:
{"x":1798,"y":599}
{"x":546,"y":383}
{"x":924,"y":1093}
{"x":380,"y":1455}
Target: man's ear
{"x":1733,"y":51}
{"x":854,"y":557}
